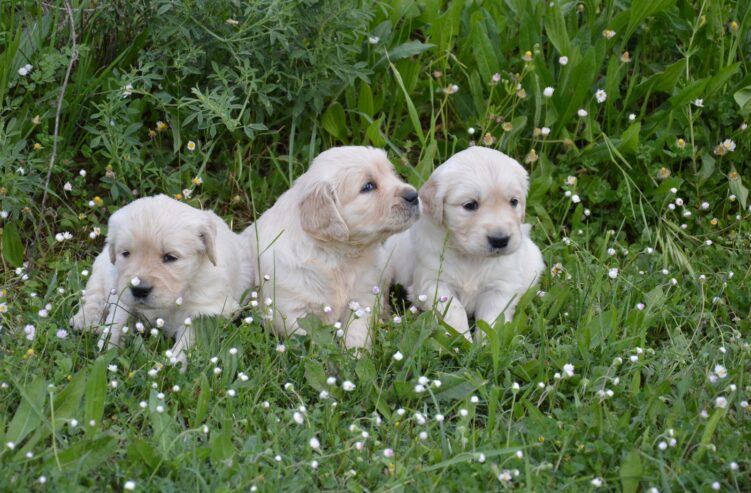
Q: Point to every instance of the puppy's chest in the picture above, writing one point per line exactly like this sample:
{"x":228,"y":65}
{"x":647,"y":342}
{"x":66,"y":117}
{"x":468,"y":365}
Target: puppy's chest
{"x":470,"y":281}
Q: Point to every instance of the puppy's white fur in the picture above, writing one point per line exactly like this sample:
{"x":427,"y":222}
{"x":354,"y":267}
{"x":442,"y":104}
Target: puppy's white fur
{"x":320,"y":244}
{"x":179,"y":252}
{"x":448,"y":254}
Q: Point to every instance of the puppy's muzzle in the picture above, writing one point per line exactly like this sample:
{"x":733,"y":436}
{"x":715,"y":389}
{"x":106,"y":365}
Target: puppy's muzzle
{"x":498,"y":242}
{"x":141,"y":292}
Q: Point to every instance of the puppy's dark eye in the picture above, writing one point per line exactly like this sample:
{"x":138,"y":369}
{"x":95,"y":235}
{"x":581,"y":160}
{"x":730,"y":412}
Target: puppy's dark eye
{"x":126,"y":253}
{"x":368,"y":187}
{"x":514,"y":202}
{"x":471,"y":206}
{"x":169,"y":258}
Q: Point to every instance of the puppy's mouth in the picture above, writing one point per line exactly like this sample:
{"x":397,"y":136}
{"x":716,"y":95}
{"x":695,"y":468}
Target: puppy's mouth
{"x":403,"y":216}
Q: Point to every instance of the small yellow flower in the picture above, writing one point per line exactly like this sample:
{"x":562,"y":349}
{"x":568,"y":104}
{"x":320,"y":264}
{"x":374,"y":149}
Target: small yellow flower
{"x":161,"y":126}
{"x":507,"y":126}
{"x":191,"y":146}
{"x":541,"y":439}
{"x":178,"y":196}
{"x":130,"y":375}
{"x":527,"y":56}
{"x":69,"y":377}
{"x":36,"y":120}
{"x":680,"y":143}
{"x":713,"y":221}
{"x":488,"y":139}
{"x":734,"y":26}
{"x":37,"y":146}
{"x":626,"y":57}
{"x":733,"y":175}
{"x":152,"y":133}
{"x":663,"y":173}
{"x":197,"y":181}
{"x":98,"y":201}
{"x":29,"y":353}
{"x":531,"y":157}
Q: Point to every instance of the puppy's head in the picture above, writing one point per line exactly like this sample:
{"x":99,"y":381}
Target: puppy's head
{"x":352,"y":195}
{"x":479,"y":196}
{"x":163,"y":243}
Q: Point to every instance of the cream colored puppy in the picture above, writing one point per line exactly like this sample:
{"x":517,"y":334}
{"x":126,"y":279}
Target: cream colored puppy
{"x":164,"y":262}
{"x":470,"y":252}
{"x":320,"y":245}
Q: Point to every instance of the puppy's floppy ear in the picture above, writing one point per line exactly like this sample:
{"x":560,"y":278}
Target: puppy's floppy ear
{"x":320,"y":217}
{"x":207,"y":233}
{"x":113,"y":226}
{"x":432,"y":201}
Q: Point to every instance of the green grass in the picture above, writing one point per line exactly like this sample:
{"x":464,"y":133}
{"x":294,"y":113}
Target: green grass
{"x":261,"y":89}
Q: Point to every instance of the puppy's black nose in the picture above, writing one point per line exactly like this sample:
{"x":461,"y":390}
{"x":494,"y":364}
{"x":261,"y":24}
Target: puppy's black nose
{"x":411,"y":197}
{"x":140,"y":291}
{"x":498,"y":241}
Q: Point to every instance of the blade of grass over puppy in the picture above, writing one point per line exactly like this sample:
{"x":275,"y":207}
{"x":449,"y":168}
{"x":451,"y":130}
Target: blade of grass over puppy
{"x":413,"y":116}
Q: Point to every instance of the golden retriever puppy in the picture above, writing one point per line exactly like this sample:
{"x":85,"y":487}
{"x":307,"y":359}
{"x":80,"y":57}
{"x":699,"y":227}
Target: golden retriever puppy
{"x":470,"y":252}
{"x":319,"y":246}
{"x":163,"y":263}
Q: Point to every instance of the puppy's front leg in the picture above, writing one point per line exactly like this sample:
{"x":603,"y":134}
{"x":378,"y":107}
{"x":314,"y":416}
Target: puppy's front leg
{"x":357,"y":334}
{"x":185,"y":337}
{"x":103,"y":279}
{"x":452,"y":310}
{"x":494,"y":303}
{"x":116,"y":319}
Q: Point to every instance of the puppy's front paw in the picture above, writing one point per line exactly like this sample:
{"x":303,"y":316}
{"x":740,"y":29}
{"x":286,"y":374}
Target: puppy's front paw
{"x":180,"y":359}
{"x":86,"y":319}
{"x":456,"y":317}
{"x":357,"y":337}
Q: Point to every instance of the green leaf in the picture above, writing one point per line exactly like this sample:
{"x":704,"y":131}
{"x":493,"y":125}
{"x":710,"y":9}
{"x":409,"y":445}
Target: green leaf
{"x":30,"y":413}
{"x":141,"y":452}
{"x":85,"y":454}
{"x":96,"y":391}
{"x":413,"y":115}
{"x":482,"y":49}
{"x":334,"y":121}
{"x":743,"y":98}
{"x":365,"y":370}
{"x":68,"y":401}
{"x":12,"y":246}
{"x":221,"y":443}
{"x":202,"y":404}
{"x":315,"y":375}
{"x":707,"y":166}
{"x":641,"y":9}
{"x":555,"y":27}
{"x":631,"y":472}
{"x":630,"y":139}
{"x":365,"y":99}
{"x":405,"y":50}
{"x":737,"y":188}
